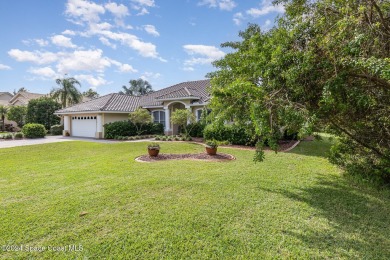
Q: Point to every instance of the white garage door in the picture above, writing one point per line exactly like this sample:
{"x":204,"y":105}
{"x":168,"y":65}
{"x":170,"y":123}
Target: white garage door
{"x":84,"y":126}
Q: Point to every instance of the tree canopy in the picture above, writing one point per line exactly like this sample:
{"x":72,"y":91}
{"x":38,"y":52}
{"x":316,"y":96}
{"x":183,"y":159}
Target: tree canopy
{"x":137,"y":87}
{"x":139,"y":118}
{"x":91,"y":94}
{"x":41,"y":111}
{"x":325,"y":66}
{"x":67,"y":93}
{"x":17,"y":114}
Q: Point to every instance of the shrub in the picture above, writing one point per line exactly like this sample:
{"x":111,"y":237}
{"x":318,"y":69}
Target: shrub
{"x":196,"y":129}
{"x":127,"y":128}
{"x":34,"y":130}
{"x":234,"y":134}
{"x":7,"y":136}
{"x":18,"y":135}
{"x":56,"y":129}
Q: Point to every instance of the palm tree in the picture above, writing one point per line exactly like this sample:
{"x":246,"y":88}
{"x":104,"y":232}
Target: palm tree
{"x":137,"y":87}
{"x":67,"y":94}
{"x":3,"y":112}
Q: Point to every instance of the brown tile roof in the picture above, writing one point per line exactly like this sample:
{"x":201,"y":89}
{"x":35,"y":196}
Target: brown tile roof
{"x":24,"y":97}
{"x":196,"y":89}
{"x":111,"y":102}
{"x":124,"y":103}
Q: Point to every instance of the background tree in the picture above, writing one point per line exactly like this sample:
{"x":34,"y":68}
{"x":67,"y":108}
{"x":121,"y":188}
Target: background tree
{"x":183,"y":118}
{"x":137,"y":87}
{"x":139,"y":118}
{"x":22,"y":89}
{"x":309,"y":72}
{"x":91,"y":94}
{"x":41,"y":111}
{"x":67,"y":93}
{"x":3,"y":113}
{"x":17,"y":114}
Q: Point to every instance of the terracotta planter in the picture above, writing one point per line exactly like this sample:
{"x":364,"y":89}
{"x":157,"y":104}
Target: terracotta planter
{"x":211,"y":151}
{"x":153,"y":152}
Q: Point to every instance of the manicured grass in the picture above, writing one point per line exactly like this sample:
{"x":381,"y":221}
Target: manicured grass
{"x":294,"y":205}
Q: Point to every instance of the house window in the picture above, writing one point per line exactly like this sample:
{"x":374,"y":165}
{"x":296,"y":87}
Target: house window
{"x":159,"y":117}
{"x":199,"y":113}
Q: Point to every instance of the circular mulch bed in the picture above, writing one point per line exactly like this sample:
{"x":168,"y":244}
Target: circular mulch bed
{"x":219,"y":157}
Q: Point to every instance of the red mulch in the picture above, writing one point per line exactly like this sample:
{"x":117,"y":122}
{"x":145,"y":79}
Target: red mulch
{"x":219,"y":157}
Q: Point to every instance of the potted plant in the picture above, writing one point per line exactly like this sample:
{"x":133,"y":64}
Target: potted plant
{"x":211,"y":147}
{"x":153,"y":149}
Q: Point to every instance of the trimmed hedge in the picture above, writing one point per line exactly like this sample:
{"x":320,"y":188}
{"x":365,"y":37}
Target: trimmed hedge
{"x":56,"y":129}
{"x":234,"y":134}
{"x":34,"y":130}
{"x":127,"y":128}
{"x":196,"y":129}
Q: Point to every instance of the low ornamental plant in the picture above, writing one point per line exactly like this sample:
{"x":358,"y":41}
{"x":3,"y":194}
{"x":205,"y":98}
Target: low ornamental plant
{"x":211,"y":144}
{"x":34,"y":130}
{"x":154,"y":146}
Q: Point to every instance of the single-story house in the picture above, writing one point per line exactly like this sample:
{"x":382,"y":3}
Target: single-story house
{"x":87,"y":119}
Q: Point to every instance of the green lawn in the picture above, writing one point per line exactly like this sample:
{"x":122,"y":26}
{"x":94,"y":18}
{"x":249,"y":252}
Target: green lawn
{"x":294,"y":205}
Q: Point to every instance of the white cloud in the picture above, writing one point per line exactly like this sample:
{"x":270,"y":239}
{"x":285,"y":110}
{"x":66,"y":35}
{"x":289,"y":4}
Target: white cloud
{"x":150,"y":75}
{"x":149,"y":3}
{"x":62,"y":41}
{"x":151,"y":30}
{"x":145,"y":49}
{"x":46,"y":72}
{"x":226,"y":5}
{"x":126,"y":68}
{"x":119,"y":11}
{"x":207,"y":54}
{"x":188,"y":69}
{"x":69,"y":32}
{"x":93,"y":81}
{"x":35,"y":57}
{"x":4,"y":67}
{"x":237,"y":18}
{"x":89,"y":60}
{"x":265,"y":8}
{"x":106,"y":42}
{"x":42,"y":42}
{"x":142,"y":5}
{"x":84,"y":11}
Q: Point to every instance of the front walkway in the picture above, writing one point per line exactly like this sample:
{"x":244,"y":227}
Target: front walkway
{"x":47,"y":140}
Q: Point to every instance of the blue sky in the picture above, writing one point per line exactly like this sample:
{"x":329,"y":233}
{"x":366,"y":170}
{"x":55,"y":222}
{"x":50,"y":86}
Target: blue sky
{"x":105,"y":43}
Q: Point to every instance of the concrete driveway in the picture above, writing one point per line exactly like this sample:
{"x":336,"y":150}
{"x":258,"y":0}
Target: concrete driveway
{"x":47,"y":140}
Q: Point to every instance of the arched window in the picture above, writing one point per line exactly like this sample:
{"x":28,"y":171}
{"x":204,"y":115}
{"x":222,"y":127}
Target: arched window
{"x":159,"y":117}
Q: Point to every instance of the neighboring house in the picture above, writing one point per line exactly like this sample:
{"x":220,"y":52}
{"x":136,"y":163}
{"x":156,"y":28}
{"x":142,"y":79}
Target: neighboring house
{"x":5,"y":97}
{"x":87,"y":119}
{"x":22,"y":98}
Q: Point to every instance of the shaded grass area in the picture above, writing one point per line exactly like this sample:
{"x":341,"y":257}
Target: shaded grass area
{"x":294,"y":205}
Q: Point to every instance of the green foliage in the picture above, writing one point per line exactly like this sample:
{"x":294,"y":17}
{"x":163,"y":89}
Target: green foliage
{"x":140,"y":117}
{"x":195,"y":129}
{"x":234,"y":134}
{"x":324,"y":66}
{"x":41,"y":111}
{"x":137,"y":87}
{"x":153,"y":146}
{"x":183,"y":118}
{"x":91,"y":94}
{"x":67,"y":93}
{"x":31,"y":130}
{"x":6,"y":136}
{"x":17,"y":114}
{"x":127,"y":128}
{"x":18,"y":135}
{"x":212,"y":144}
{"x":3,"y":113}
{"x":56,"y":129}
